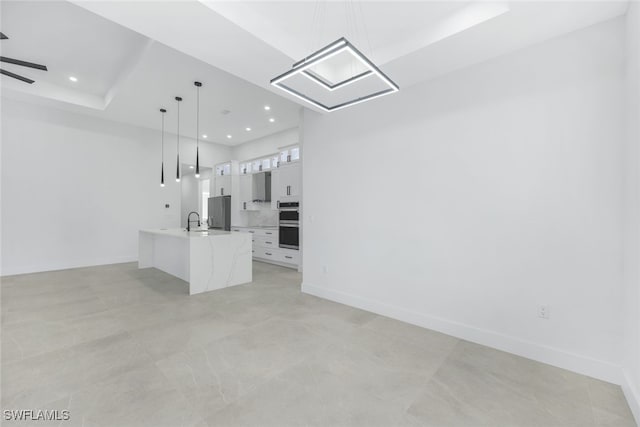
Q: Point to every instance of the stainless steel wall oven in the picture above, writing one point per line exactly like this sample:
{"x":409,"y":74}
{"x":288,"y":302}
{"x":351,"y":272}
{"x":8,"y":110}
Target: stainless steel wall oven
{"x":289,"y":230}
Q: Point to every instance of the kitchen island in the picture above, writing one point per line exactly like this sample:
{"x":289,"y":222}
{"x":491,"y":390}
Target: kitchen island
{"x":207,"y":259}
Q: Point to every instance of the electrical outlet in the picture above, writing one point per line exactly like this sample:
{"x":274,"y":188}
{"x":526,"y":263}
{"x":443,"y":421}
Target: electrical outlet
{"x":543,"y":311}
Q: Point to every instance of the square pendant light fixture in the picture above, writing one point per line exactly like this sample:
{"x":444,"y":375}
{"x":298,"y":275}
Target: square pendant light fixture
{"x":334,"y":68}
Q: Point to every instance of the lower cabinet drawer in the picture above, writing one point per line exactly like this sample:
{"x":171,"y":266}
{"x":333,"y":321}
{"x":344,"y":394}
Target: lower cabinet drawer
{"x":268,"y":233}
{"x":290,"y":256}
{"x":266,"y":242}
{"x":278,"y":255}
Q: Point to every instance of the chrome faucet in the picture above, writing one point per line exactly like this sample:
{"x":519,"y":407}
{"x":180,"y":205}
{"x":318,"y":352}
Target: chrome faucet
{"x":189,"y":220}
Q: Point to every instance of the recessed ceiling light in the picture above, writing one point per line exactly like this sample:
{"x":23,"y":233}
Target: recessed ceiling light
{"x":266,"y":107}
{"x":73,"y":79}
{"x":229,"y":136}
{"x":248,"y":129}
{"x":204,"y":135}
{"x":272,"y":120}
{"x":191,"y":167}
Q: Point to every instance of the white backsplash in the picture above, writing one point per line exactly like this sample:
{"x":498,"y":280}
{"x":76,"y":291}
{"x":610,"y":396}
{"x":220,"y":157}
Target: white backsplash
{"x":264,"y":216}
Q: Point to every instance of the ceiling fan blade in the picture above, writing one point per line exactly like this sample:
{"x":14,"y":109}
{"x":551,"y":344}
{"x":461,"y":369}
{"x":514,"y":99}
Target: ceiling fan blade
{"x":23,"y":63}
{"x":15,"y":76}
{"x":2,"y":36}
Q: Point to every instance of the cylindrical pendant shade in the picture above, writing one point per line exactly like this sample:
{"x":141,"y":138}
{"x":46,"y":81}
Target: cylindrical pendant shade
{"x":162,"y":110}
{"x":197,"y":163}
{"x":178,"y":168}
{"x":198,"y":85}
{"x":178,"y":99}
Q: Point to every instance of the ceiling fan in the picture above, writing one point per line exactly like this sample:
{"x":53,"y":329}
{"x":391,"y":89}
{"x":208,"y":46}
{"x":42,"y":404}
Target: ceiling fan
{"x":18,"y":62}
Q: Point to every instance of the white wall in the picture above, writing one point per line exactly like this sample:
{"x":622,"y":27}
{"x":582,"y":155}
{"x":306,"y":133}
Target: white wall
{"x":463,"y":203}
{"x":265,"y":146}
{"x":191,"y":195}
{"x":189,"y":198}
{"x":631,"y":385}
{"x":76,"y":189}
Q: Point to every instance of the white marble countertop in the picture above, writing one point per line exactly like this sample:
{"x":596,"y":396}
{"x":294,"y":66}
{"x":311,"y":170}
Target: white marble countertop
{"x":181,"y":232}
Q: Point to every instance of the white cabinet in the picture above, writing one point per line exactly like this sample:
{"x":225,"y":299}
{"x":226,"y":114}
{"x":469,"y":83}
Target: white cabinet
{"x":289,"y":181}
{"x":245,"y":193}
{"x":222,"y":186}
{"x":291,"y":154}
{"x":266,"y":247}
{"x":223,"y":169}
{"x":275,"y":189}
{"x":277,"y":256}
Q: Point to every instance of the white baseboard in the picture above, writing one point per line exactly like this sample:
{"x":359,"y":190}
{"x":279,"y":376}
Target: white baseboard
{"x":37,"y":268}
{"x":632,"y":394}
{"x":553,"y":356}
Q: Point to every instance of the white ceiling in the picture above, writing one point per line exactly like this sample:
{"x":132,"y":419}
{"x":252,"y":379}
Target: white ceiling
{"x":132,"y":57}
{"x":126,"y":77}
{"x":381,"y":29}
{"x":411,"y":41}
{"x":71,"y":42}
{"x":163,"y":73}
{"x":59,"y":35}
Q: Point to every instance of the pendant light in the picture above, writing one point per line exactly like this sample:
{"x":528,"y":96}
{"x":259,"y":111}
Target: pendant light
{"x":178,"y":145}
{"x":330,"y":76}
{"x":162,"y":110}
{"x":198,"y":86}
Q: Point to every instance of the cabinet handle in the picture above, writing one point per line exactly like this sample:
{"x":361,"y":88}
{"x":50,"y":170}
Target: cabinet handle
{"x":222,"y":191}
{"x":268,"y":232}
{"x":267,"y":253}
{"x":278,"y":204}
{"x":245,"y":205}
{"x":269,"y":243}
{"x":251,"y":231}
{"x":288,"y":257}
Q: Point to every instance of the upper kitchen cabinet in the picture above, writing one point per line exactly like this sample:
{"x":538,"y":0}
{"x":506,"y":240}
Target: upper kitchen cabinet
{"x":246,"y":193}
{"x":222,"y":180}
{"x":289,"y":155}
{"x":223,"y":169}
{"x":246,"y":168}
{"x":289,"y":183}
{"x":222,"y":186}
{"x":275,"y":189}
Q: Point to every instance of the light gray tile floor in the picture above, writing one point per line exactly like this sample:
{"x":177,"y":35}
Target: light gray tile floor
{"x":118,"y":346}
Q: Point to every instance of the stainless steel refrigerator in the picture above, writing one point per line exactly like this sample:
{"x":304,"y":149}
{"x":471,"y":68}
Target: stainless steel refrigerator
{"x":220,"y":213}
